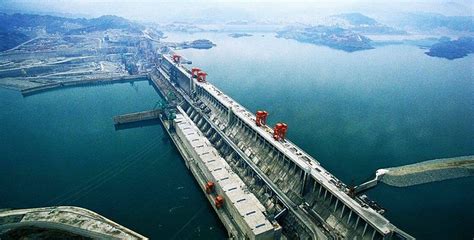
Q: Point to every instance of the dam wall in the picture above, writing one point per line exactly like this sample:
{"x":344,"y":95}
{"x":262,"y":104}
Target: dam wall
{"x":293,"y":171}
{"x":281,"y":175}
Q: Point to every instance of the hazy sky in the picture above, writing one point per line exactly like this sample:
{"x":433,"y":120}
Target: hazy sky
{"x":280,"y":10}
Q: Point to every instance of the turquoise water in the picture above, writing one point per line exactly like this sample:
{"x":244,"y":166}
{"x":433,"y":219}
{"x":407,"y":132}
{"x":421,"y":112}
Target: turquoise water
{"x":357,"y":112}
{"x":61,"y":147}
{"x":354,"y":112}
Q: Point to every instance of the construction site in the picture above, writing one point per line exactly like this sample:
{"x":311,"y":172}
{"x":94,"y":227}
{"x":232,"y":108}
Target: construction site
{"x":52,"y":60}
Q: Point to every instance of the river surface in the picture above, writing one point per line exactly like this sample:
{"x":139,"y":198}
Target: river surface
{"x":61,"y":148}
{"x":354,"y":112}
{"x":361,"y":111}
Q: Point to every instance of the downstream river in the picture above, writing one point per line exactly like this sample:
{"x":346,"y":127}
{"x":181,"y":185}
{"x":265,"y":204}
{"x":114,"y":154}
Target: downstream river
{"x":354,"y":112}
{"x":361,"y":111}
{"x":61,"y":148}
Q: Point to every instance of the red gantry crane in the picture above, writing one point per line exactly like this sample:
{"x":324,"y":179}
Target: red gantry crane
{"x":219,"y":201}
{"x":261,"y":119}
{"x":279,"y":131}
{"x":195,"y":71}
{"x":201,"y":76}
{"x":209,"y":187}
{"x":176,"y":58}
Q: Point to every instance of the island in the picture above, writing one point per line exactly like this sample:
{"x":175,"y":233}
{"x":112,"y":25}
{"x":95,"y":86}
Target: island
{"x":333,"y":37}
{"x":452,"y":49}
{"x":239,"y":35}
{"x":197,"y":44}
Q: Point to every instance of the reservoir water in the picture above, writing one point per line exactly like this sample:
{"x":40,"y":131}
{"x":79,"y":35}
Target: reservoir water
{"x":354,"y":112}
{"x":361,"y":111}
{"x":61,"y":147}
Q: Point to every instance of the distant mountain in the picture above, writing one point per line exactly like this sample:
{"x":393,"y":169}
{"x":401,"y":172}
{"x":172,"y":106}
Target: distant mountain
{"x":108,"y":22}
{"x":31,"y":22}
{"x":428,"y":22}
{"x":357,"y":19}
{"x":17,"y":28}
{"x":181,"y":27}
{"x":362,"y":24}
{"x":9,"y":39}
{"x":453,"y":49}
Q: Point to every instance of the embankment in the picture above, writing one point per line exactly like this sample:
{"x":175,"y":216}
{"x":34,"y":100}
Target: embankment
{"x":429,"y":171}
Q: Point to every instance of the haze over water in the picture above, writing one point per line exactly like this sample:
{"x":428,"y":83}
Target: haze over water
{"x":361,"y":111}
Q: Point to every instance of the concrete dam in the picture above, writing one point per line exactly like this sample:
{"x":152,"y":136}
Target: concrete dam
{"x":261,"y":185}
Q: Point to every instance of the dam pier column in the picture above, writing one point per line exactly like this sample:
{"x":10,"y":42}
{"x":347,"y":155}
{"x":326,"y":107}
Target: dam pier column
{"x":350,"y":215}
{"x":303,"y":183}
{"x":229,"y":116}
{"x":365,"y":228}
{"x":373,"y":234}
{"x":343,"y":208}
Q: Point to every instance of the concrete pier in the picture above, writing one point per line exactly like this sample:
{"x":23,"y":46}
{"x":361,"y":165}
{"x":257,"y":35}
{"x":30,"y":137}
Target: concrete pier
{"x":371,"y":183}
{"x":57,"y":85}
{"x":365,"y":186}
{"x":137,"y":117}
